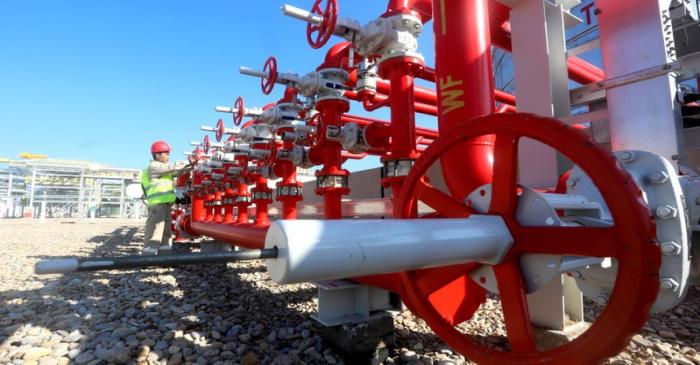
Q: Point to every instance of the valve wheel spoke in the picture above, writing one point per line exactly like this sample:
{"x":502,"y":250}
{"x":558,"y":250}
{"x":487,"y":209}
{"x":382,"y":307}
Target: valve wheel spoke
{"x":504,"y":197}
{"x":443,"y":203}
{"x":579,"y":241}
{"x":511,"y":289}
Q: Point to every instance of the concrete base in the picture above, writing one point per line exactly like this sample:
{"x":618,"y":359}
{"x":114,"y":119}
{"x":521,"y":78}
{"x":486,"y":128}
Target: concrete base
{"x":546,"y":339}
{"x":363,"y":343}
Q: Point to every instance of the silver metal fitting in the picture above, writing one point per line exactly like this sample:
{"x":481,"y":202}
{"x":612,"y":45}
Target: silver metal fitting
{"x":395,"y":168}
{"x":571,"y":182}
{"x":666,"y":212}
{"x":670,"y":248}
{"x":668,"y":284}
{"x":626,"y":156}
{"x":658,"y":177}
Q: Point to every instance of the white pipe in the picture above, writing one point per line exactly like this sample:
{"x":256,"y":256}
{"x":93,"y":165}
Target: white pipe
{"x":251,"y":72}
{"x":301,"y":14}
{"x":312,"y":250}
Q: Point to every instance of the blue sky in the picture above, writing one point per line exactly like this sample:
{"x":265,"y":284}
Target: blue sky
{"x":101,"y":80}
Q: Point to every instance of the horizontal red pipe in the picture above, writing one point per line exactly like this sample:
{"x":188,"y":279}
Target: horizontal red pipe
{"x":363,"y":121}
{"x":427,"y":96}
{"x":247,"y":236}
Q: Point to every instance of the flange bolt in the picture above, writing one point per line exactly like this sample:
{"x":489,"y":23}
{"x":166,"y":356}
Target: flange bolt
{"x":658,"y":177}
{"x":668,"y":284}
{"x":670,"y":248}
{"x":666,"y":212}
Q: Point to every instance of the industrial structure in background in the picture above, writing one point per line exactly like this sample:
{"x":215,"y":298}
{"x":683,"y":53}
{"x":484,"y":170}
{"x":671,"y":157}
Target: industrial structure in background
{"x":36,"y":186}
{"x":574,"y":201}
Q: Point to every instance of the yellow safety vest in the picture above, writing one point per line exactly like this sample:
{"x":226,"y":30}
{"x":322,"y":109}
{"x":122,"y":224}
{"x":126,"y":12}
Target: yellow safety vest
{"x":159,"y":190}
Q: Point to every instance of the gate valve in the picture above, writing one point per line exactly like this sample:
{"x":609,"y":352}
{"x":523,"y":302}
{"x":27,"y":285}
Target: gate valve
{"x":281,"y":113}
{"x":239,"y":111}
{"x":220,"y":130}
{"x":299,"y":155}
{"x":323,"y":22}
{"x":259,"y":154}
{"x":257,"y":132}
{"x":390,"y":37}
{"x":236,"y":147}
{"x":268,"y":76}
{"x":350,"y":136}
{"x":264,"y":171}
{"x":324,"y":83}
{"x":235,"y":170}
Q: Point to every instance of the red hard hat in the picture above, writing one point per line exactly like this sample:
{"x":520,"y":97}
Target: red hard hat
{"x":159,"y":146}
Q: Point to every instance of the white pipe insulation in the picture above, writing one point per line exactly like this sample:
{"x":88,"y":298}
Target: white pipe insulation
{"x":313,"y":250}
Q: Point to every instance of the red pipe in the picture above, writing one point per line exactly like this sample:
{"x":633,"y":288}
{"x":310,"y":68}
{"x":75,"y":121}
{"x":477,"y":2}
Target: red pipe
{"x":247,"y":236}
{"x":463,"y":63}
{"x":331,"y":111}
{"x":218,"y":217}
{"x":288,"y":172}
{"x":242,"y":205}
{"x":261,"y":214}
{"x":198,"y":212}
{"x":505,"y":108}
{"x":429,"y":97}
{"x":228,"y":207}
{"x":365,"y":121}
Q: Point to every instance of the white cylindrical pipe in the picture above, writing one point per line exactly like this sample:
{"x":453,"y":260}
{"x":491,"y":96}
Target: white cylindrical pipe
{"x":312,"y":250}
{"x":224,"y":109}
{"x":301,"y":14}
{"x":251,"y":72}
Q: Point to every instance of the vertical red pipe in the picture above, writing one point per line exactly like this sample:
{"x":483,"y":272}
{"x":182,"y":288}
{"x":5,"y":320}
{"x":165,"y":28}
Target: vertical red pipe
{"x":218,"y":217}
{"x":242,"y":205}
{"x":331,"y":111}
{"x":261,"y":214}
{"x":228,"y":207}
{"x":464,"y":86}
{"x":198,"y":213}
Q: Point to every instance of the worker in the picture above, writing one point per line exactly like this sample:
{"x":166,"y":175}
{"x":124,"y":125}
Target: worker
{"x":157,"y":183}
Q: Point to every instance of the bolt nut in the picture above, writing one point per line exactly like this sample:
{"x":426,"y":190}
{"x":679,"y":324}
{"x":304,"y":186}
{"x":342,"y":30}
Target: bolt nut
{"x":626,"y":156}
{"x":658,"y":177}
{"x":601,"y":300}
{"x":666,"y":212}
{"x":576,"y":275}
{"x":668,"y":284}
{"x":670,"y":248}
{"x":571,"y":182}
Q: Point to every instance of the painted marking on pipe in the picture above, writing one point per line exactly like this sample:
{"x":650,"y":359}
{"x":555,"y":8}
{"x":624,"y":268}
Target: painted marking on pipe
{"x":443,"y":19}
{"x":450,"y":99}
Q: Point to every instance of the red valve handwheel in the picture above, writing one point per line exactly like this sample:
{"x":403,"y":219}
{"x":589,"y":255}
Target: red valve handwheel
{"x":239,"y":111}
{"x":631,"y":241}
{"x":268,"y":83}
{"x":220,"y":129}
{"x":197,"y":153}
{"x":206,"y":144}
{"x":327,"y":26}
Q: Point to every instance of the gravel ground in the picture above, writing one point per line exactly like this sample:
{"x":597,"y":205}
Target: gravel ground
{"x":225,"y":314}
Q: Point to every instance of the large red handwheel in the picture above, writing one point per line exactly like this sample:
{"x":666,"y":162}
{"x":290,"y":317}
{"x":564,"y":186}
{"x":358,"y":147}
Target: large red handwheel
{"x":630,"y":241}
{"x":238,"y":111}
{"x":327,"y":26}
{"x":206,"y":144}
{"x":220,"y":129}
{"x":268,"y":83}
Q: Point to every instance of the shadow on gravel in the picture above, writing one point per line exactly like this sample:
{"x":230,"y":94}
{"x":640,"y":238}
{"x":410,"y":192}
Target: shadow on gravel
{"x":198,"y":314}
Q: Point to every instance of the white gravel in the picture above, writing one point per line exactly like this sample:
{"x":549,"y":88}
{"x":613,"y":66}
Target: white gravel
{"x":225,"y":314}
